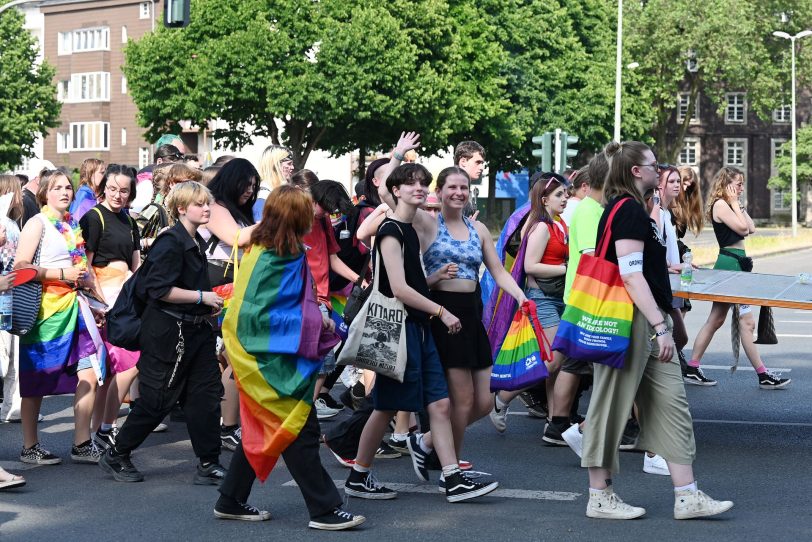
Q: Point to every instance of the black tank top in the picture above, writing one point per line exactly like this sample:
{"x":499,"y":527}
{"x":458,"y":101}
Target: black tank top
{"x":725,"y":236}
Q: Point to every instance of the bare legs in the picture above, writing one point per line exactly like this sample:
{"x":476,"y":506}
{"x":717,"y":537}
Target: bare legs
{"x":716,"y":318}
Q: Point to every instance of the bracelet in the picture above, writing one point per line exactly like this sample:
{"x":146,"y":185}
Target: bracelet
{"x":397,"y":156}
{"x":440,"y":311}
{"x":661,"y":333}
{"x":199,"y":297}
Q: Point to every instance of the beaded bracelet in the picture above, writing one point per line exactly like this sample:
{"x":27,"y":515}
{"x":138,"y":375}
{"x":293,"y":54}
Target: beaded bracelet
{"x":199,"y":297}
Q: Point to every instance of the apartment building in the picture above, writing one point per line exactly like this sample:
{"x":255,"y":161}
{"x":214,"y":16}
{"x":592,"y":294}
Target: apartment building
{"x":85,"y":41}
{"x":738,"y":138}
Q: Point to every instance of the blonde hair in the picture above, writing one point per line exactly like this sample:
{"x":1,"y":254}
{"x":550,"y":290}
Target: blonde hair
{"x":270,"y":171}
{"x":687,"y":208}
{"x":185,"y":194}
{"x":86,"y":171}
{"x":718,"y":190}
{"x":10,"y":184}
{"x":622,"y":157}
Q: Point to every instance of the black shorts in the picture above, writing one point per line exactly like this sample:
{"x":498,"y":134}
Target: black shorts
{"x":470,"y":348}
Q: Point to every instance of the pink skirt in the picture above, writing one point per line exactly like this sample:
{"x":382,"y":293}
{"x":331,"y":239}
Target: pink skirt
{"x":111,"y":281}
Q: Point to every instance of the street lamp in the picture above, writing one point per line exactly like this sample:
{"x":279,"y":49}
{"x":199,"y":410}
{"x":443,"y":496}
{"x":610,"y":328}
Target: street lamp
{"x":799,"y":35}
{"x":618,"y":68}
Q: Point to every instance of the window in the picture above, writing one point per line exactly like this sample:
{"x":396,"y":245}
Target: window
{"x":689,"y":155}
{"x":780,"y":198}
{"x":123,"y":137}
{"x":735,"y":153}
{"x":62,"y":142}
{"x":123,"y":34}
{"x":124,"y":84}
{"x":782,"y":115}
{"x":736,"y":110}
{"x":85,"y":39}
{"x":143,"y":157}
{"x":683,"y":101}
{"x":144,"y":10}
{"x":90,"y":136}
{"x":85,"y":87}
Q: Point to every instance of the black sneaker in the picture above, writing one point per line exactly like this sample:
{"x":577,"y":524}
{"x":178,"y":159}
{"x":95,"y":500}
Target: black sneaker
{"x":86,"y":452}
{"x":37,"y":455}
{"x":386,"y":452}
{"x":535,"y":407}
{"x":329,"y":401}
{"x":399,"y":445}
{"x":105,"y":439}
{"x":772,"y":381}
{"x":364,"y":485}
{"x":212,"y":474}
{"x":418,"y":457}
{"x":337,"y":520}
{"x":459,"y":487}
{"x":630,"y":434}
{"x":552,"y":433}
{"x":470,"y":474}
{"x":230,"y":438}
{"x":120,"y":467}
{"x":227,"y":508}
{"x":695,"y":376}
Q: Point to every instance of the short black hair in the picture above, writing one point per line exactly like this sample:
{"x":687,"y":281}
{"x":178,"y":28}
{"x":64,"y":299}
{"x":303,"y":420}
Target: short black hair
{"x":370,"y":190}
{"x":168,"y":153}
{"x":407,"y":174}
{"x":331,"y":196}
{"x":467,"y":149}
{"x":117,"y":169}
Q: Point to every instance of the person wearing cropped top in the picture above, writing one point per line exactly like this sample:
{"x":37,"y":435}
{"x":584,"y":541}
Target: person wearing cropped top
{"x":545,"y":264}
{"x":731,"y":224}
{"x":452,"y":268}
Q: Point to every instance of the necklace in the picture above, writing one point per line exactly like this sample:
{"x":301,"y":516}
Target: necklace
{"x":69,"y":229}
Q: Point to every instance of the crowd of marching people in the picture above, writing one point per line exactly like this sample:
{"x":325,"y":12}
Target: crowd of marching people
{"x":227,"y":296}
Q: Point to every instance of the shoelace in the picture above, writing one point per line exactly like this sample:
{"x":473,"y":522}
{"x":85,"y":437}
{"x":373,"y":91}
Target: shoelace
{"x":247,"y":507}
{"x":371,"y":483}
{"x":617,"y":502}
{"x":773,"y":376}
{"x":238,"y":433}
{"x":342,"y":514}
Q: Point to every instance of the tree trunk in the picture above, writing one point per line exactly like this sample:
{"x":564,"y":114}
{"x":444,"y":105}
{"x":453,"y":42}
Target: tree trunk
{"x":490,"y":211}
{"x":362,"y":160}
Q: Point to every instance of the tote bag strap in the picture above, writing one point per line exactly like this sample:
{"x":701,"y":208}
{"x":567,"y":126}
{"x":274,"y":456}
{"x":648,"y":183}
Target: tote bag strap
{"x":376,"y":275}
{"x":606,"y":237}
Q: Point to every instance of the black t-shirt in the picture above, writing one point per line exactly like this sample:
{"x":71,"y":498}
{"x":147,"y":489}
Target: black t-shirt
{"x":30,"y":205}
{"x":411,"y":263}
{"x":632,"y":222}
{"x":175,"y":259}
{"x":115,"y":239}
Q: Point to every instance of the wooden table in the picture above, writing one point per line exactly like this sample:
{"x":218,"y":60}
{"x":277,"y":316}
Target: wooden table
{"x":746,"y":289}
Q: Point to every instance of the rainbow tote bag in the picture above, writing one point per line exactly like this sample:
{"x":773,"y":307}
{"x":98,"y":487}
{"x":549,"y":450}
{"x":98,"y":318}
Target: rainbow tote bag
{"x":597,"y":321}
{"x":520,"y":362}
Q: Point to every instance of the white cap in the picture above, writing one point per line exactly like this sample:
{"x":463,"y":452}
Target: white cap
{"x":35,"y":165}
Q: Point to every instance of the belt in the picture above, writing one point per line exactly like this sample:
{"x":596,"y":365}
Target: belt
{"x":184,"y":317}
{"x":220,"y":263}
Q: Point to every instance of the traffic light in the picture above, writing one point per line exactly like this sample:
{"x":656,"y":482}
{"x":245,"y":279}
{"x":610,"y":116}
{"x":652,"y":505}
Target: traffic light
{"x":176,"y":13}
{"x":545,"y":153}
{"x":563,"y":152}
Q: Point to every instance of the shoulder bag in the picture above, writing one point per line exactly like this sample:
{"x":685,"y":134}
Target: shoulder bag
{"x":27,"y":299}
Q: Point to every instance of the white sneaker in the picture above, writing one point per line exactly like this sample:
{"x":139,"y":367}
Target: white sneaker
{"x":574,"y":439}
{"x":655,"y":465}
{"x":499,"y":416}
{"x":605,"y":504}
{"x":689,"y":504}
{"x":323,"y":411}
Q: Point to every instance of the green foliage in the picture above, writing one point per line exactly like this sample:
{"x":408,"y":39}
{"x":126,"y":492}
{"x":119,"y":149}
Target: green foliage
{"x":783,"y":180}
{"x":28,"y":104}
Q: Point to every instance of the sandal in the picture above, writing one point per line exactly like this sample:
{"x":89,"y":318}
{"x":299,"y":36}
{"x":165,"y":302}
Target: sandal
{"x":14,"y":481}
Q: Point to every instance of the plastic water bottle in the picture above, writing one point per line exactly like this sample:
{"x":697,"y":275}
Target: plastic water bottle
{"x":686,"y":275}
{"x":805,"y":278}
{"x":6,"y":305}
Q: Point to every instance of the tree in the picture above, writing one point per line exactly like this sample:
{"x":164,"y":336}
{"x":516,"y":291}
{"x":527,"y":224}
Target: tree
{"x":783,"y":179}
{"x":334,"y":75}
{"x":729,"y":44}
{"x":28,"y":104}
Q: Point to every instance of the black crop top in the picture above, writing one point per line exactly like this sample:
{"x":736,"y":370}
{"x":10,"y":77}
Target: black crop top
{"x":725,"y":236}
{"x":109,"y":236}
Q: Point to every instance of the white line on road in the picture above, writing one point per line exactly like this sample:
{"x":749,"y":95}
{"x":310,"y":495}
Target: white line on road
{"x":755,"y":422}
{"x":795,"y":335}
{"x":531,"y":494}
{"x":727,"y":368}
{"x":795,"y":321}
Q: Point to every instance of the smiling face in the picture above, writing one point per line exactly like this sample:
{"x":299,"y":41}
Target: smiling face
{"x":60,"y":193}
{"x":117,"y":192}
{"x":455,"y":192}
{"x":413,"y":194}
{"x":286,"y":167}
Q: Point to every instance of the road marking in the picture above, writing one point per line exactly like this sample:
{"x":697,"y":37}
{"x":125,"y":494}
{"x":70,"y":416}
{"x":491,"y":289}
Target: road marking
{"x":528,"y":494}
{"x":795,"y":321}
{"x":727,"y":368}
{"x":794,"y":335}
{"x":755,"y":422}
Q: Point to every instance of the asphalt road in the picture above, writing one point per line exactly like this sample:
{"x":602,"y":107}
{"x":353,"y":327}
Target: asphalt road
{"x":753,"y":448}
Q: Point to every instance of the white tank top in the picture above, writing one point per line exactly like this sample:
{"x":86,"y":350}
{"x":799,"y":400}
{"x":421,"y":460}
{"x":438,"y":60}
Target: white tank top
{"x":54,"y":252}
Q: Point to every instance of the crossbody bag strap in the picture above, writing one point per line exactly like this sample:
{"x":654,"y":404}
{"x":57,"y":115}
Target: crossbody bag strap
{"x":606,"y":237}
{"x":376,"y":275}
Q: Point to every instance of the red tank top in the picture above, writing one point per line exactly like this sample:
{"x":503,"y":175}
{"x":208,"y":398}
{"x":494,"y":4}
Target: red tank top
{"x":557,"y":251}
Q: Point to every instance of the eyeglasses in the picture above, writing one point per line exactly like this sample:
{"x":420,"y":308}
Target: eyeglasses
{"x":655,"y":165}
{"x":113,"y":190}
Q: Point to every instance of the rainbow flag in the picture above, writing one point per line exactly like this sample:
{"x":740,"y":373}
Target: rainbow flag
{"x":263,"y":332}
{"x":83,"y":201}
{"x":597,"y":322}
{"x":226,"y":291}
{"x":339,"y":302}
{"x":520,"y":362}
{"x":50,"y":352}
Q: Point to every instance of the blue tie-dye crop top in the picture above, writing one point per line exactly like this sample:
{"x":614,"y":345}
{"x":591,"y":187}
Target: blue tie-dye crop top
{"x":445,"y":249}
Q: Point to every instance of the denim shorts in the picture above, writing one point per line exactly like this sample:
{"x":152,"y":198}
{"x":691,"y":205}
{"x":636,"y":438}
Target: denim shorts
{"x":424,"y":380}
{"x":548,"y":309}
{"x":329,"y":361}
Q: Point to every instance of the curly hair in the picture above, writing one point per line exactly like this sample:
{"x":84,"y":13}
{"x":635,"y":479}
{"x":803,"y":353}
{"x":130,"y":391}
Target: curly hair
{"x":687,"y":209}
{"x":718,"y":190}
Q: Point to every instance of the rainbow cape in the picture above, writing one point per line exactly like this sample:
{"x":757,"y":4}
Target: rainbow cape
{"x":263,"y":331}
{"x":50,"y":352}
{"x":83,"y":201}
{"x":226,"y":291}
